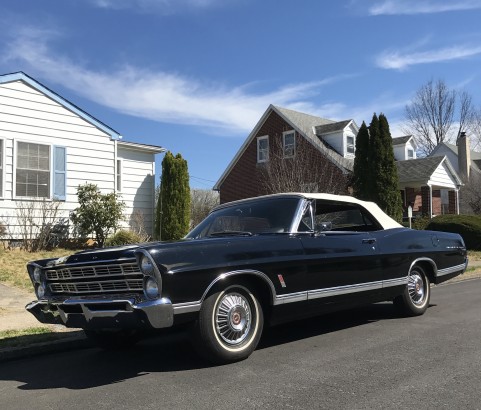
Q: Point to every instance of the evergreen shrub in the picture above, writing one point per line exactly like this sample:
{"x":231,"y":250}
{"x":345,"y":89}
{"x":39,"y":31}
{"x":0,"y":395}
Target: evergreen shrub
{"x":123,"y":237}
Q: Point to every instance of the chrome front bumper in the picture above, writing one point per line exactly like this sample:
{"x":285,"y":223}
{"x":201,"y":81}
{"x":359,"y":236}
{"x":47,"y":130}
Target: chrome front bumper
{"x":105,"y":313}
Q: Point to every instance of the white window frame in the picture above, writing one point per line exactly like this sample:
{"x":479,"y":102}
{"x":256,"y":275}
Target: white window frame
{"x":265,"y":151}
{"x":348,"y":145}
{"x":289,"y":151}
{"x":31,"y":198}
{"x":407,"y":153}
{"x":119,"y":167}
{"x":2,"y":166}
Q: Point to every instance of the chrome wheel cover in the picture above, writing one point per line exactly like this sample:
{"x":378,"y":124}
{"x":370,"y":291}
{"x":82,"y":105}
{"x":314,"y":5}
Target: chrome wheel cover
{"x":233,"y":318}
{"x":416,"y":288}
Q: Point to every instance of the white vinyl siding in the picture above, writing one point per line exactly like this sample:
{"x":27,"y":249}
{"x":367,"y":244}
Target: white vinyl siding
{"x":442,"y":177}
{"x":2,"y":154}
{"x":137,"y":187}
{"x":289,"y":144}
{"x":263,"y":148}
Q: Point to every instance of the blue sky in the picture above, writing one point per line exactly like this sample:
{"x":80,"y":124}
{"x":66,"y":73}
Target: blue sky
{"x":195,"y":76}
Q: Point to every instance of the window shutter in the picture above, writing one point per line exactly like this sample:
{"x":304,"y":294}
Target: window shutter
{"x":60,"y":173}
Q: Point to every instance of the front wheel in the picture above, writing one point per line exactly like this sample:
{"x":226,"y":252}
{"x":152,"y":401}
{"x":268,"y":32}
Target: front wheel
{"x":229,"y":325}
{"x":415,"y":299}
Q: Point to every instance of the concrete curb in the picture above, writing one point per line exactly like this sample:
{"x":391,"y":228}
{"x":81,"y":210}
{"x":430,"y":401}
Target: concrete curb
{"x":76,"y":340}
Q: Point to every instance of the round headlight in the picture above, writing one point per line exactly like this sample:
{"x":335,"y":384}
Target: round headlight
{"x":36,"y":274}
{"x":151,"y":288}
{"x":40,"y":291}
{"x":146,"y":265}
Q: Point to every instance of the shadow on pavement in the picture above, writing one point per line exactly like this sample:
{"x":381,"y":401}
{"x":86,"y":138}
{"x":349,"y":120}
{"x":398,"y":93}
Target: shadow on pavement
{"x":93,"y":367}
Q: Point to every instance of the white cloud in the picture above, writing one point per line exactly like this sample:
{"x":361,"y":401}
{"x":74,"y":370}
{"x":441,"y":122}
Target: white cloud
{"x":399,"y":60}
{"x":393,"y":7}
{"x":160,"y":96}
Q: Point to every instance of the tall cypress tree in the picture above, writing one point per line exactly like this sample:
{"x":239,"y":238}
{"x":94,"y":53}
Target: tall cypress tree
{"x":173,"y":206}
{"x":362,"y":181}
{"x":376,"y":149}
{"x":389,"y":198}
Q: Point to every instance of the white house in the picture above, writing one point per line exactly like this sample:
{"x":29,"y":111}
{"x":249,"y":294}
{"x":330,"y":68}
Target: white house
{"x":49,"y":146}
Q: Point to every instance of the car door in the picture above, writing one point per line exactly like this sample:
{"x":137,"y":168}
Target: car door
{"x":341,"y":258}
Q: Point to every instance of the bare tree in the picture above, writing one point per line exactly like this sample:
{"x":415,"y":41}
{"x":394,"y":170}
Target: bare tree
{"x":307,"y":170}
{"x":202,"y":202}
{"x":434,"y":113}
{"x":470,"y":197}
{"x":475,"y":129}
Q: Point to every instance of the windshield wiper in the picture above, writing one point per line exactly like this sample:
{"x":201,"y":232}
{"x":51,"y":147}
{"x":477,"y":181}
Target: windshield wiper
{"x":231,"y":233}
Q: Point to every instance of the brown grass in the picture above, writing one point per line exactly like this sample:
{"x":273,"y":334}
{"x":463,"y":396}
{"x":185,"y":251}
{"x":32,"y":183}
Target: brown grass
{"x":13,"y":264}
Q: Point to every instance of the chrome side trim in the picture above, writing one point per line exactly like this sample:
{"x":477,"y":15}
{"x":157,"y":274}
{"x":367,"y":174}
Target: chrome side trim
{"x":344,"y":290}
{"x":290,"y":298}
{"x":187,"y":307}
{"x":452,"y":269}
{"x":395,"y":282}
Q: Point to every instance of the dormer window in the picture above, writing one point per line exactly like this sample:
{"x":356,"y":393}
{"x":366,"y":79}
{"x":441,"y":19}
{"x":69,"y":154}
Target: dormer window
{"x":289,"y":144}
{"x":350,"y":148}
{"x":410,"y":153}
{"x":263,"y":149}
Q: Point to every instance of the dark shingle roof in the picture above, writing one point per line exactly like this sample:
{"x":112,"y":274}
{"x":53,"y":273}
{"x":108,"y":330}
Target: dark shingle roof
{"x":332,"y":127}
{"x":401,"y":140}
{"x":419,"y":169}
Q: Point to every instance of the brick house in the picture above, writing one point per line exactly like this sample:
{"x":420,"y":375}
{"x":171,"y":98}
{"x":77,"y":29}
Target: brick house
{"x":431,"y":185}
{"x":285,"y":134}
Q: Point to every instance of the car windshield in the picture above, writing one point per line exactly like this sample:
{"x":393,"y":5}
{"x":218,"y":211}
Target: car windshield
{"x":266,"y":216}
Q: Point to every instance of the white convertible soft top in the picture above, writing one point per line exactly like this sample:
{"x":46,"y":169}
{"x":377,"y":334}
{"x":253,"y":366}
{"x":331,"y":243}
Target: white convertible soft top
{"x":386,"y":221}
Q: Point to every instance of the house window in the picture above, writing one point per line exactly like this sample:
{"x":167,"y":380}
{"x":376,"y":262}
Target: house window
{"x":289,"y":144}
{"x":119,"y":175}
{"x":32,"y":174}
{"x":263,"y":148}
{"x":410,"y":153}
{"x":1,"y":168}
{"x":350,"y":144}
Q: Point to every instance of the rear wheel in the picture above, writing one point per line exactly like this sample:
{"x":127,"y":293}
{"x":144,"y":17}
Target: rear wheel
{"x":415,"y":299}
{"x":113,"y":339}
{"x":229,"y":326}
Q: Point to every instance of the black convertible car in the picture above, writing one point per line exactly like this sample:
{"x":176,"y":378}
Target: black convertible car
{"x":261,"y":260}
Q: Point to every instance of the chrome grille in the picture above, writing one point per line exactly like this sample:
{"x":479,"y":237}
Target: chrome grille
{"x":92,"y":271}
{"x":85,"y":279}
{"x":132,"y":285}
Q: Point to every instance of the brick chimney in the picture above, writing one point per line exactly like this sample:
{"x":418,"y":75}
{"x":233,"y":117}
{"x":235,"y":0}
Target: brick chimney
{"x":464,"y":156}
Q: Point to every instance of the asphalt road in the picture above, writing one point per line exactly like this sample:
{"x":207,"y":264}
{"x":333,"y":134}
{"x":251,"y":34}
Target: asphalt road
{"x":363,"y":359}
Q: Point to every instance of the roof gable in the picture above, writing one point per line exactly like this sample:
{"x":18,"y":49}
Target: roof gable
{"x":21,"y":76}
{"x":422,"y":169}
{"x":305,"y":125}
